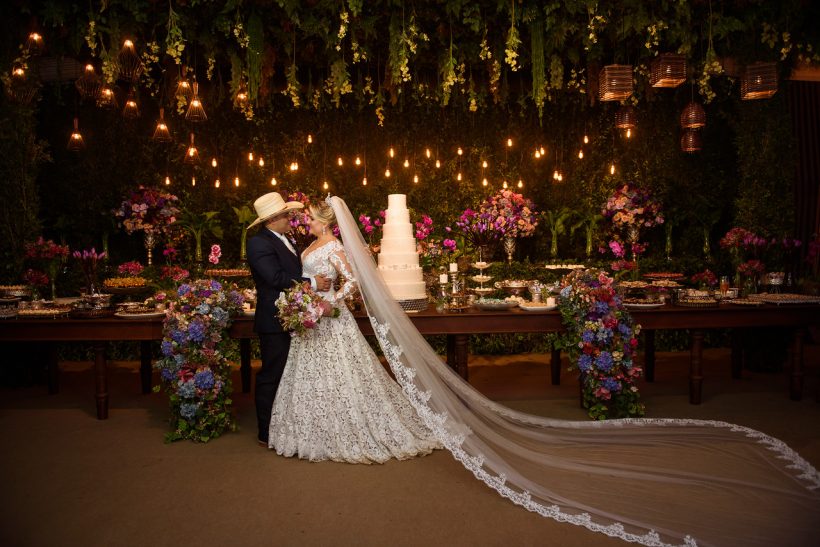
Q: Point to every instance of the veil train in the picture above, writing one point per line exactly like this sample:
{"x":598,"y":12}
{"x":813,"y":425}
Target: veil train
{"x":648,"y":481}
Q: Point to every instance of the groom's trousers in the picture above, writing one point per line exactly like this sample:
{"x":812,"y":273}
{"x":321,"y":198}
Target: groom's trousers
{"x":274,"y":349}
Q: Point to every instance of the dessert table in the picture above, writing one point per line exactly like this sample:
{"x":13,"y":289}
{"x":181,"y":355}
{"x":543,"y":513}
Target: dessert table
{"x":456,"y":326}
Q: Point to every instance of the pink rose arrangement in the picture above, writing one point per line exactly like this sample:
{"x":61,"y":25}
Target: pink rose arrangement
{"x":216,"y":253}
{"x":149,"y":210}
{"x":132,"y":268}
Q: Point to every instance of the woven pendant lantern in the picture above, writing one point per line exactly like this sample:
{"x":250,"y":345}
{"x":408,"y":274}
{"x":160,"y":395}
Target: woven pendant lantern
{"x":693,"y":116}
{"x":759,"y":81}
{"x":691,"y":141}
{"x":34,"y":43}
{"x":106,"y":98}
{"x":161,"y":133}
{"x":20,"y":89}
{"x":615,"y":83}
{"x":75,"y":141}
{"x":129,"y":64}
{"x":195,"y":111}
{"x":241,"y":98}
{"x":132,"y":109}
{"x":88,"y":85}
{"x":192,"y":154}
{"x":667,"y":70}
{"x":626,"y":117}
{"x":183,"y":90}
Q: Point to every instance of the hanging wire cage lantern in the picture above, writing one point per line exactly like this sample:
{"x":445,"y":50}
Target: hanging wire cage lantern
{"x":161,"y":133}
{"x":132,"y":109}
{"x":196,"y":113}
{"x":183,"y":90}
{"x":759,"y":81}
{"x":626,"y":117}
{"x":75,"y":141}
{"x":34,"y":43}
{"x":241,"y":98}
{"x":89,"y":84}
{"x":693,"y":116}
{"x":191,"y":154}
{"x":667,"y":70}
{"x":129,"y":64}
{"x":691,"y":141}
{"x":20,"y":88}
{"x":106,"y":98}
{"x":615,"y":83}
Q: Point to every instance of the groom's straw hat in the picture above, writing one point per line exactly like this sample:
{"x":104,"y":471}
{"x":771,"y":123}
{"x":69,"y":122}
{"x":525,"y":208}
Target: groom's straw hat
{"x":270,"y":205}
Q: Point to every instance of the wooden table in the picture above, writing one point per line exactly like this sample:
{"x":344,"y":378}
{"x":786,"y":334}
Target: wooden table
{"x":457,"y":327}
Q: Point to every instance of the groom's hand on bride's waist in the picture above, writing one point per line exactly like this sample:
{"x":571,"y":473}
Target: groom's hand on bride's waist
{"x":322,"y":283}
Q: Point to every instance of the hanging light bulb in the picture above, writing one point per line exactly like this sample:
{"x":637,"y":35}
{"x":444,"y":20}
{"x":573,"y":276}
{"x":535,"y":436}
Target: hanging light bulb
{"x":261,"y":162}
{"x":555,"y":174}
{"x":107,"y":99}
{"x":325,"y":186}
{"x":415,"y":179}
{"x":358,"y":161}
{"x":340,"y":161}
{"x":34,"y":43}
{"x":216,"y":183}
{"x":214,"y":163}
{"x":129,"y":64}
{"x":161,"y":133}
{"x":537,"y":154}
{"x":294,"y":166}
{"x":364,"y":181}
{"x":560,"y":177}
{"x":167,"y":180}
{"x":612,"y":169}
{"x":509,"y":143}
{"x":387,"y":173}
{"x":458,"y":176}
{"x":193,"y":181}
{"x":520,"y":183}
{"x":391,"y":153}
{"x":504,"y":185}
{"x":88,"y":85}
{"x":484,"y":182}
{"x":629,"y":133}
{"x":586,"y":139}
{"x":273,"y":181}
{"x":543,"y":152}
{"x":236,"y":182}
{"x":484,"y":164}
{"x":427,"y":153}
{"x":580,"y":154}
{"x":310,"y":140}
{"x":192,"y":155}
{"x":460,"y":151}
{"x":196,"y":113}
{"x":250,"y":156}
{"x":131,"y":109}
{"x":406,"y":163}
{"x":438,"y":164}
{"x":75,"y":141}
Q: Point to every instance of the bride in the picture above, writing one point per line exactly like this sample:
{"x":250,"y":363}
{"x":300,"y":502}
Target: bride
{"x":648,"y":481}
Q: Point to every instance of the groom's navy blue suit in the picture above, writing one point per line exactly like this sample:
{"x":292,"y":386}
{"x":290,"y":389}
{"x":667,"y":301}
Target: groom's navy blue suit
{"x":275,"y":268}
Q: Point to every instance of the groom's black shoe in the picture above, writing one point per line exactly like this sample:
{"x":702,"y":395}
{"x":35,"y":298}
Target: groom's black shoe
{"x":263,"y":444}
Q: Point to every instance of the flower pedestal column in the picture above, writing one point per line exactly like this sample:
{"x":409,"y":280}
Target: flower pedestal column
{"x":149,"y":246}
{"x":509,"y":248}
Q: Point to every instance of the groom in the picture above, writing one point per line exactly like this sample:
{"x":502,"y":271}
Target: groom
{"x":275,"y":266}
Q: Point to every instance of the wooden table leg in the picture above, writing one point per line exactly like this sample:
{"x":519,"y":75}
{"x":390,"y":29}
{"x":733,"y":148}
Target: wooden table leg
{"x":737,"y":354}
{"x":101,"y":377}
{"x":52,"y":370}
{"x":461,"y":343}
{"x":796,"y":383}
{"x":145,"y":365}
{"x":695,"y":366}
{"x":245,"y":364}
{"x":451,"y":351}
{"x":555,"y":367}
{"x":649,"y":355}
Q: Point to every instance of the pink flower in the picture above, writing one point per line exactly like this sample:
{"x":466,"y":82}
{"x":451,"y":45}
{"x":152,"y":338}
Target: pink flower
{"x":216,"y":253}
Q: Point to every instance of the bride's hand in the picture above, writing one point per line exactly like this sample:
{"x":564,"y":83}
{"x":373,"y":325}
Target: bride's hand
{"x":327,"y":308}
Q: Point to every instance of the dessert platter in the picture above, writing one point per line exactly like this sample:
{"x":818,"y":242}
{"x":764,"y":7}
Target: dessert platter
{"x":44,"y":311}
{"x":513,"y":286}
{"x":537,"y":306}
{"x":11,"y":291}
{"x":139,"y":313}
{"x":565,"y":266}
{"x":495,"y":304}
{"x":642,"y":303}
{"x":745,"y":302}
{"x":785,"y":298}
{"x":664,"y":276}
{"x":227,"y":272}
{"x":8,"y":307}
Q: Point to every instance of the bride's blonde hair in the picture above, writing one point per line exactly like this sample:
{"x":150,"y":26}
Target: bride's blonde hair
{"x":323,"y":213}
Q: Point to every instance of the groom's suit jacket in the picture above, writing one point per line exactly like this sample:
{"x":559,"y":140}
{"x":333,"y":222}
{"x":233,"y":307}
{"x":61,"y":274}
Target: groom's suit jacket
{"x":274,"y":268}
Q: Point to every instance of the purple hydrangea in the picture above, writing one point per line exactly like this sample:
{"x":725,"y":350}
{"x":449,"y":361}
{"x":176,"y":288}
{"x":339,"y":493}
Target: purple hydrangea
{"x":204,"y":379}
{"x":167,"y":348}
{"x":196,"y":331}
{"x":611,"y":384}
{"x":585,"y":362}
{"x":187,"y":390}
{"x":188,"y":410}
{"x":604,"y":361}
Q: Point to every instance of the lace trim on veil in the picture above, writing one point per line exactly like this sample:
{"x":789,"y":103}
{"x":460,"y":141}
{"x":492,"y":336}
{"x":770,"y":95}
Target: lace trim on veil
{"x":448,"y":406}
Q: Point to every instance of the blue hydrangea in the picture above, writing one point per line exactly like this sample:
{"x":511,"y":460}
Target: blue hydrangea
{"x":604,"y":334}
{"x":216,"y":285}
{"x":585,"y":362}
{"x":179,"y":359}
{"x":178,"y":336}
{"x":624,"y":329}
{"x":219,"y":315}
{"x":566,"y":291}
{"x":196,"y":331}
{"x":587,"y":336}
{"x":188,"y":410}
{"x":167,"y":374}
{"x":611,"y":384}
{"x":183,"y":289}
{"x":187,"y":390}
{"x":604,"y":361}
{"x":204,"y":379}
{"x":203,"y":308}
{"x":601,"y":307}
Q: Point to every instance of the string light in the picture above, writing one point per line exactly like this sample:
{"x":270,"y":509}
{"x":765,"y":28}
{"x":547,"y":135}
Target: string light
{"x":504,"y":185}
{"x":216,"y":183}
{"x":364,"y":181}
{"x":325,"y":186}
{"x":612,"y":169}
{"x":484,"y":164}
{"x":193,"y":181}
{"x":427,"y":153}
{"x":406,"y":162}
{"x":236,"y":182}
{"x":167,"y":181}
{"x":415,"y":179}
{"x":214,"y":163}
{"x":484,"y":182}
{"x":586,"y":139}
{"x":537,"y":154}
{"x":520,"y":183}
{"x":560,"y":177}
{"x":294,"y":166}
{"x":460,"y":151}
{"x":310,"y":138}
{"x":458,"y":176}
{"x":628,"y":133}
{"x":509,"y":143}
{"x":580,"y":154}
{"x":358,"y":161}
{"x":555,"y":174}
{"x":391,"y":153}
{"x":387,"y":173}
{"x":261,"y":162}
{"x":543,"y":152}
{"x":273,"y":181}
{"x":340,"y":161}
{"x":438,"y":164}
{"x":250,"y":156}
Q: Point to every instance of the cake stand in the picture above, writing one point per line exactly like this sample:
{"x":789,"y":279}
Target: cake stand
{"x":481,"y":278}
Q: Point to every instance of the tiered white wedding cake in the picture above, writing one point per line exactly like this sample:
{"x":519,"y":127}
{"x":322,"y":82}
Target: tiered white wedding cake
{"x":399,"y":259}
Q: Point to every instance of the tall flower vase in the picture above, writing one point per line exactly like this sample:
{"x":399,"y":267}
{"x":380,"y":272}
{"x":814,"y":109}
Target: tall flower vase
{"x":632,"y":236}
{"x":149,"y":246}
{"x":509,"y":247}
{"x":53,"y":272}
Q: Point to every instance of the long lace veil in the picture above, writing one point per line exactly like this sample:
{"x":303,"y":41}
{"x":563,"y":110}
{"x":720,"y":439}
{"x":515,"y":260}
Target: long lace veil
{"x":647,"y":481}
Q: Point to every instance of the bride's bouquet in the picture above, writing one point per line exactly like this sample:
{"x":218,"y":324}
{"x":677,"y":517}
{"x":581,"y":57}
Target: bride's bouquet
{"x":300,"y":309}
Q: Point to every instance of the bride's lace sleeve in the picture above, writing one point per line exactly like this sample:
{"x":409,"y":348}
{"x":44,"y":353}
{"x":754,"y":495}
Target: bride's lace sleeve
{"x":349,"y":285}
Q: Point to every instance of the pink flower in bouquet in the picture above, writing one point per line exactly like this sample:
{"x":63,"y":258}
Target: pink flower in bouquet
{"x":616,"y":248}
{"x":424,"y":228}
{"x":132,"y":268}
{"x":216,"y":253}
{"x":301,"y":309}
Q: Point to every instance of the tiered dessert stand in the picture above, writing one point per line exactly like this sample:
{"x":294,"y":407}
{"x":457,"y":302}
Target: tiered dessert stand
{"x":481,"y":278}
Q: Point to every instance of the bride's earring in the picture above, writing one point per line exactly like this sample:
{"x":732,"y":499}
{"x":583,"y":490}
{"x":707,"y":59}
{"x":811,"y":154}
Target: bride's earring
{"x":324,"y":230}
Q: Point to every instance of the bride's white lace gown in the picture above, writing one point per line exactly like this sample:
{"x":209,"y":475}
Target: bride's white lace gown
{"x":336,"y":401}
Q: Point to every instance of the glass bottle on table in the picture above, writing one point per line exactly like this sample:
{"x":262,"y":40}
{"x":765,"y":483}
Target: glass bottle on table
{"x":724,"y":286}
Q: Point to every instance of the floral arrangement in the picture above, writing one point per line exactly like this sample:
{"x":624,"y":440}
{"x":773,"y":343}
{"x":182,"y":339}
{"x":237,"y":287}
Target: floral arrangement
{"x":174,"y":274}
{"x":601,"y":339}
{"x":50,"y":255}
{"x":194,"y":370}
{"x":132,"y":268}
{"x":372,"y":227}
{"x":705,"y":278}
{"x":300,"y":221}
{"x":630,"y":206}
{"x":512,"y":214}
{"x":301,"y":309}
{"x":149,"y":210}
{"x":88,"y":262}
{"x":742,"y":239}
{"x":216,"y":253}
{"x":751,"y":268}
{"x":36,"y":279}
{"x":424,"y":228}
